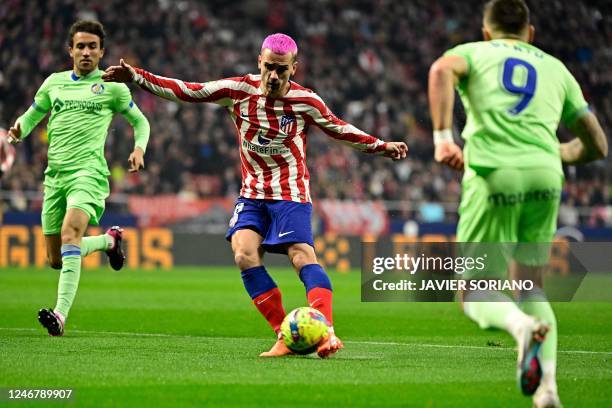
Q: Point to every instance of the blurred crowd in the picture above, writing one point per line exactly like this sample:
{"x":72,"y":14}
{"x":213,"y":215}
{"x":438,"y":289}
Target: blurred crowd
{"x":367,"y":59}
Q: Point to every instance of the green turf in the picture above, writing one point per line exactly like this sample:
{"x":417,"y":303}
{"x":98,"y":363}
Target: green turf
{"x":191,"y":337}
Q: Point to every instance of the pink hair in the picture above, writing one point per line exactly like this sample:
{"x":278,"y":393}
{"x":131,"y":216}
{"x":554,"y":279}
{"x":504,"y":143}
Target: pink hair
{"x":280,"y":44}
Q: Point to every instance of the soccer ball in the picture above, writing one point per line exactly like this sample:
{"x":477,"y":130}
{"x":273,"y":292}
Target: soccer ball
{"x":303,"y":329}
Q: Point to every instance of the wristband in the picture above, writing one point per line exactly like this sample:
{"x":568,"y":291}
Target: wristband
{"x":443,"y":136}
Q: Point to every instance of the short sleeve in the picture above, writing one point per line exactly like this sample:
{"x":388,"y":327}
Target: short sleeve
{"x":463,"y":50}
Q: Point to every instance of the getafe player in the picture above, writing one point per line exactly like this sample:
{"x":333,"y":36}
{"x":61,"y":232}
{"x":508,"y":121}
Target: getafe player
{"x":272,"y":115}
{"x":514,"y":95}
{"x":76,"y":179}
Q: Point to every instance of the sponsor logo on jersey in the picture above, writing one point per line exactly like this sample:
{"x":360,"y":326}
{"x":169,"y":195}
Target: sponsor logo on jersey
{"x":97,"y":89}
{"x":512,"y":199}
{"x":265,"y":150}
{"x":262,"y":140}
{"x":57,"y":105}
{"x":287,"y":123}
{"x":72,"y":104}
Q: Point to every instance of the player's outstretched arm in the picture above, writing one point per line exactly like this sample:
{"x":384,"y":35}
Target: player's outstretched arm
{"x":170,"y":88}
{"x":443,"y":76}
{"x":345,"y":133}
{"x":590,"y":144}
{"x":123,"y":72}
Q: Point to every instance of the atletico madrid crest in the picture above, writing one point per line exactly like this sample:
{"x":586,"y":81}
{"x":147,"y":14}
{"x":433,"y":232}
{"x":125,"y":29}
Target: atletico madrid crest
{"x":287,"y":123}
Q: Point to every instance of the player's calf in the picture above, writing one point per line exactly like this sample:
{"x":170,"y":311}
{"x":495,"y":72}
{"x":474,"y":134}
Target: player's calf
{"x":55,"y":265}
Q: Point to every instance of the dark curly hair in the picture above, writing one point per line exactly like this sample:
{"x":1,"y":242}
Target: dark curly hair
{"x":87,"y":26}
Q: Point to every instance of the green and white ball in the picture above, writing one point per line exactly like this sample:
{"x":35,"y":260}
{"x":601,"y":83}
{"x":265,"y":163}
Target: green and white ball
{"x":303,"y":329}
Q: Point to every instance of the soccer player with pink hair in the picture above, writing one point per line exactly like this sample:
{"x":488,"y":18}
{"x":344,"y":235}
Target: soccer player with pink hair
{"x":272,"y":115}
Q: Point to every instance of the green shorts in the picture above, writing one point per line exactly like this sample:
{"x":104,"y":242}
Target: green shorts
{"x":83,"y":189}
{"x":509,"y":205}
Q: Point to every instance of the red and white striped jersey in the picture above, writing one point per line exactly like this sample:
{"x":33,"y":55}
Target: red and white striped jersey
{"x":271,"y":131}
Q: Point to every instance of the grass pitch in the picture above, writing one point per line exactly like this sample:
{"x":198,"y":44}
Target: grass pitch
{"x":191,"y":337}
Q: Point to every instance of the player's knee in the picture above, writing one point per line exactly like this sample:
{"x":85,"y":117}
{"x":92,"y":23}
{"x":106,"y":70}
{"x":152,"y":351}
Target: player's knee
{"x":301,"y":256}
{"x":70,"y":236}
{"x":298,"y":261}
{"x":245,"y":258}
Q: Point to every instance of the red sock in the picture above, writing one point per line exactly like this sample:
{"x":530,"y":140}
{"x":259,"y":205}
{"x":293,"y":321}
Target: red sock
{"x":270,"y":305}
{"x":321,"y":299}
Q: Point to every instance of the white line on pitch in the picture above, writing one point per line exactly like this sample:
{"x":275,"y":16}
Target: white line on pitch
{"x":373,"y":343}
{"x":385,"y":343}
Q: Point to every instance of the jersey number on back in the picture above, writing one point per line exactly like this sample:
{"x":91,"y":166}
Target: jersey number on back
{"x":527,"y":86}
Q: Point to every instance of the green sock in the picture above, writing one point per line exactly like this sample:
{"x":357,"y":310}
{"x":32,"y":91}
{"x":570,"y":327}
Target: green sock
{"x":95,"y":243}
{"x":494,"y":310}
{"x":535,"y":304}
{"x":69,"y":278}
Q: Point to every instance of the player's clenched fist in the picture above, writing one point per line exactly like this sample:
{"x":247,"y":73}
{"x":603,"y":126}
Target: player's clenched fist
{"x":396,"y":150}
{"x":450,"y":154}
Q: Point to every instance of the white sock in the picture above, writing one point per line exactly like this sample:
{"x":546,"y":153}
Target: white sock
{"x":110,"y":241}
{"x":515,"y":322}
{"x":61,"y":316}
{"x":549,"y":379}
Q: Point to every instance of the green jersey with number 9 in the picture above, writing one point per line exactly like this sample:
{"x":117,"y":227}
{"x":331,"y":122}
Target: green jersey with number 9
{"x":514,"y":96}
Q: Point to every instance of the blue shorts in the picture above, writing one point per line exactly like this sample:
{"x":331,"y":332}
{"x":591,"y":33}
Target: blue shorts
{"x":279,"y":222}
